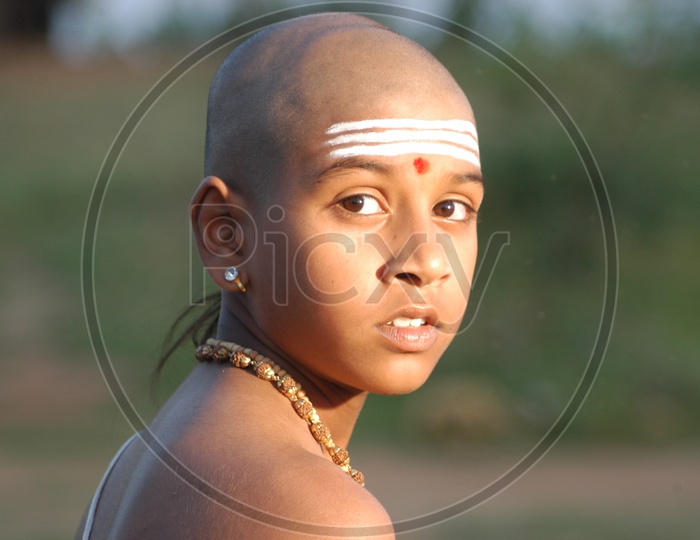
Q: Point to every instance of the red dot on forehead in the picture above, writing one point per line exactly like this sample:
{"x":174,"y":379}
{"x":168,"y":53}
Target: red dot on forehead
{"x":420,"y":165}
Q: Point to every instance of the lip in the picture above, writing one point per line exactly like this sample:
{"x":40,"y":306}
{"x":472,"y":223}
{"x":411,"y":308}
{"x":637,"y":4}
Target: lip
{"x":412,"y":339}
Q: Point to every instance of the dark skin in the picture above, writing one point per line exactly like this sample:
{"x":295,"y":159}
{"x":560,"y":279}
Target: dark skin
{"x":270,"y":106}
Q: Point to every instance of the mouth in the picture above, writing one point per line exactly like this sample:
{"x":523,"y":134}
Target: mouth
{"x":413,"y":329}
{"x":413,"y":317}
{"x":406,"y":322}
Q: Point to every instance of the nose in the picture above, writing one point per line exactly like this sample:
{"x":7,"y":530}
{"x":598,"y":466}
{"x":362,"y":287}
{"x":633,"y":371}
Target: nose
{"x":420,"y":262}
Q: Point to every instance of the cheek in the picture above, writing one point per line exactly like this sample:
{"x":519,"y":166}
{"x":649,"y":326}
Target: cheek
{"x":334,"y":268}
{"x":461,"y":256}
{"x":469,"y":262}
{"x":464,"y":250}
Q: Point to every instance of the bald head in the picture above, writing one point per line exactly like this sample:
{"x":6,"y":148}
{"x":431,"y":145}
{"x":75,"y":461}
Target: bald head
{"x":277,"y":93}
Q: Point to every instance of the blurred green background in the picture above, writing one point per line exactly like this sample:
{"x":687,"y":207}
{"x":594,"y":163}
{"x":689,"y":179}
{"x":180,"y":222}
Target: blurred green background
{"x":628,"y":73}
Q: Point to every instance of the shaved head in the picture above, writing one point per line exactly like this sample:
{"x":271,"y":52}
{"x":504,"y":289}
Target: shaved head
{"x":276,"y":95}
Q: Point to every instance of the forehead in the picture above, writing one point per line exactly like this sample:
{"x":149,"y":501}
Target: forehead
{"x":456,"y":138}
{"x":363,"y":97}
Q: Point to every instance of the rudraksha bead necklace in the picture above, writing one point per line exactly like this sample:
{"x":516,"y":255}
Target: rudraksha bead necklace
{"x":223,"y":352}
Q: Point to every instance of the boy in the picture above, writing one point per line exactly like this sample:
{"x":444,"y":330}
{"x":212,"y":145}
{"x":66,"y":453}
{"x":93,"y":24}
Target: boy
{"x":338,"y":217}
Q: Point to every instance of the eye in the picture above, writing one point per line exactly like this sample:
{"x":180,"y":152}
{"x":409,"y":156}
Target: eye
{"x":454,"y":210}
{"x":362,"y":204}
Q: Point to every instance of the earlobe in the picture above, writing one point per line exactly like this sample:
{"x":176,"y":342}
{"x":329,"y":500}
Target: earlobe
{"x":218,"y":215}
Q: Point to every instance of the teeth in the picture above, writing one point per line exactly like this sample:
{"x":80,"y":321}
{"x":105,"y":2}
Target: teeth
{"x":405,"y":322}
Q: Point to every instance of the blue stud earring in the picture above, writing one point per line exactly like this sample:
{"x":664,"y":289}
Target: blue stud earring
{"x":231,"y":274}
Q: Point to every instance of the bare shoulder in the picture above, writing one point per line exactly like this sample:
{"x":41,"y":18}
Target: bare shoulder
{"x":297,"y":496}
{"x":227,"y":476}
{"x":259,"y":493}
{"x":324,"y":495}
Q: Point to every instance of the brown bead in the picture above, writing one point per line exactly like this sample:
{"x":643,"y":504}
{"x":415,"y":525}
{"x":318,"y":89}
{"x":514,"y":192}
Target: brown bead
{"x":287,"y":385}
{"x":240,"y":360}
{"x":265,"y":371}
{"x":203,"y":353}
{"x":320,"y":432}
{"x":357,"y":476}
{"x":303,"y":407}
{"x":339,"y":456}
{"x":221,"y":355}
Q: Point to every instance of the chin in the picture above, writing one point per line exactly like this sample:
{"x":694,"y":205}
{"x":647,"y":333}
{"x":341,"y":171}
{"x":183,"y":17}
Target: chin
{"x":403,"y":376}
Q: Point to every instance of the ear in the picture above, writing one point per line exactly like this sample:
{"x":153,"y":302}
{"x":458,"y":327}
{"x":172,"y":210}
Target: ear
{"x":220,"y":222}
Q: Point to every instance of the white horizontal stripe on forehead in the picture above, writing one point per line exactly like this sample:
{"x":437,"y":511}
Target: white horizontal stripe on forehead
{"x":404,"y":135}
{"x":464,"y":126}
{"x":400,"y":148}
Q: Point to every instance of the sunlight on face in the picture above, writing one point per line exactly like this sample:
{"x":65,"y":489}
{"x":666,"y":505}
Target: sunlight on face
{"x":383,"y":244}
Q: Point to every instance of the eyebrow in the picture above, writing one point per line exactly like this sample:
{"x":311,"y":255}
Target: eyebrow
{"x":470,"y":177}
{"x":359,"y":163}
{"x":388,"y":170}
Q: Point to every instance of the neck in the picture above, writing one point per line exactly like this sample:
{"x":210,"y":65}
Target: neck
{"x":338,"y":406}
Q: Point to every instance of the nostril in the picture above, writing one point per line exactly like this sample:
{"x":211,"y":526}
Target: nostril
{"x":408,"y":277}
